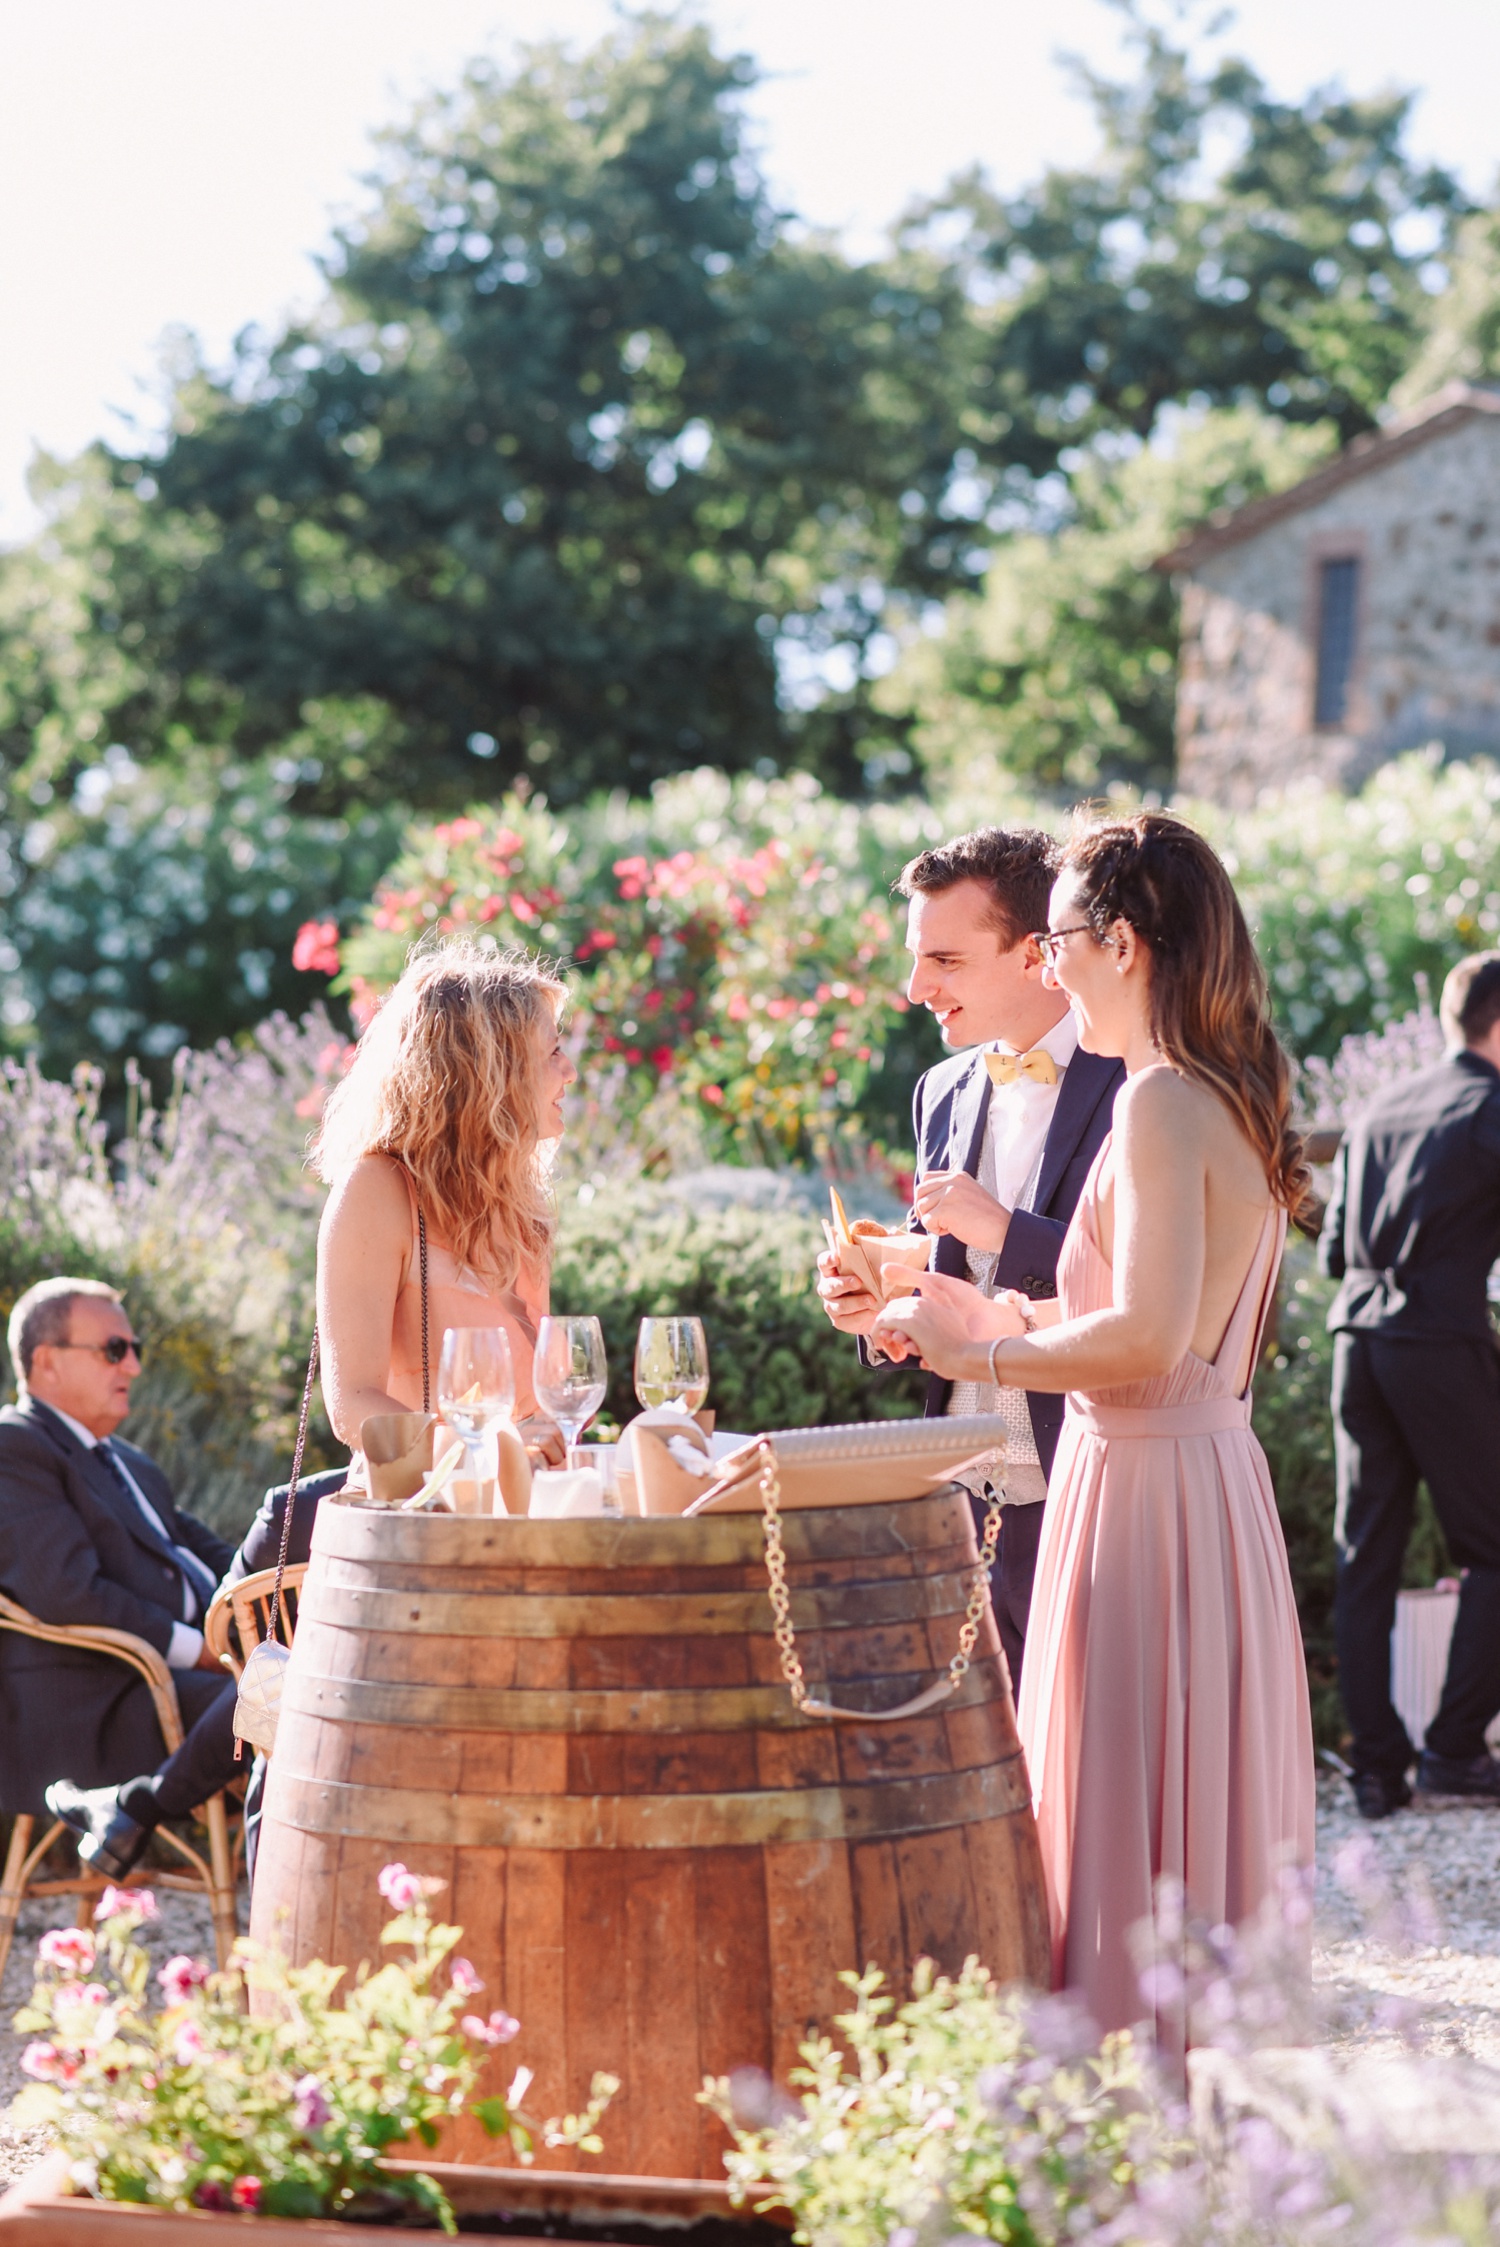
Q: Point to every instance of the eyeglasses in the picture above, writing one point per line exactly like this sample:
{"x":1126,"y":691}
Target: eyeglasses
{"x":1047,"y":940}
{"x":115,"y":1351}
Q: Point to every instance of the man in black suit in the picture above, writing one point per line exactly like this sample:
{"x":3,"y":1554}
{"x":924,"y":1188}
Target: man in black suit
{"x":89,"y":1533}
{"x":1005,"y":1137}
{"x":1412,"y":1232}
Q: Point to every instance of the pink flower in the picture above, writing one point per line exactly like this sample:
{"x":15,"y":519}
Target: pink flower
{"x":404,"y":1890}
{"x":180,"y":1977}
{"x":245,"y":2193}
{"x":135,"y":1904}
{"x":312,"y":2109}
{"x":70,"y":1948}
{"x":43,"y":2061}
{"x":498,"y":2029}
{"x":465,"y":1980}
{"x":316,"y":949}
{"x":187,"y":2044}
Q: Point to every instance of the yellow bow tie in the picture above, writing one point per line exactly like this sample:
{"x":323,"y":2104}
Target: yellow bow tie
{"x":1004,"y":1068}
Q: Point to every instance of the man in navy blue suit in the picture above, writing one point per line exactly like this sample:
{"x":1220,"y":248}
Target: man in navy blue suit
{"x":1006,"y":1131}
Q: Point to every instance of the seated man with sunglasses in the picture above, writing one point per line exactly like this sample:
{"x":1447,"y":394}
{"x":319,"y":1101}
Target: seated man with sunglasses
{"x":89,"y":1533}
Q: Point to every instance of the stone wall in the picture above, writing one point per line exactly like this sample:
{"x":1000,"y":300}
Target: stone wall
{"x":1426,"y":526}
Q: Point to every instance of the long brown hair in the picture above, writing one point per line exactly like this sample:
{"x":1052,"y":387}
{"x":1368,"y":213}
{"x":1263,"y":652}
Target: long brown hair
{"x":446,"y":1079}
{"x":1210,"y":1008}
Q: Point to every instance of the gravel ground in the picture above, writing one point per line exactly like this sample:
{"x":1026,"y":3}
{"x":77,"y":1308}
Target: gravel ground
{"x":1407,"y":1939}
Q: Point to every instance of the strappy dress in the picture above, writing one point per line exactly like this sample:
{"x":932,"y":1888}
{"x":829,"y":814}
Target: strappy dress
{"x":1164,"y":1708}
{"x":457,"y":1297}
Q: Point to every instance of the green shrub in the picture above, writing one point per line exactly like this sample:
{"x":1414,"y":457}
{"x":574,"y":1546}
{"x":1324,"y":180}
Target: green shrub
{"x":629,"y":1253}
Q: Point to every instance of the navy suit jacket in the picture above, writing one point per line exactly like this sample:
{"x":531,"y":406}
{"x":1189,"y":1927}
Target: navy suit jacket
{"x":949,"y":1114}
{"x":75,"y":1548}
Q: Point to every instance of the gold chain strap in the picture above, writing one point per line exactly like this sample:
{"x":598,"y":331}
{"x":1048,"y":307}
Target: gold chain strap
{"x":785,"y":1633}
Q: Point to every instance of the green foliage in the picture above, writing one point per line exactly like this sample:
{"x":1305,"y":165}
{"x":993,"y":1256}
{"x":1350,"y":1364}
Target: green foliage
{"x":1290,"y":271}
{"x":630,"y":1252}
{"x":1353,"y":901}
{"x":962,"y":2104}
{"x":582,"y":428}
{"x":1462,"y":343}
{"x":1064,"y":673}
{"x":157,"y":907}
{"x":252,"y":2089}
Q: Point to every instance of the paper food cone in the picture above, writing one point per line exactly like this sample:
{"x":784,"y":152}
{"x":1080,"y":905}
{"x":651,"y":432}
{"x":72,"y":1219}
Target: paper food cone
{"x":884,"y":1261}
{"x":398,"y":1454}
{"x":661,"y":1485}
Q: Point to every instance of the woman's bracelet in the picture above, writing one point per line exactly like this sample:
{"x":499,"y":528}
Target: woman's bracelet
{"x":1028,"y":1320}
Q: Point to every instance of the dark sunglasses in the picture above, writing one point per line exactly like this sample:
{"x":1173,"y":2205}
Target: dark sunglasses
{"x":115,"y":1351}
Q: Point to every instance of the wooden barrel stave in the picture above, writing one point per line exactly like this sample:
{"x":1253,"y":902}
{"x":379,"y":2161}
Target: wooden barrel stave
{"x":659,"y":1866}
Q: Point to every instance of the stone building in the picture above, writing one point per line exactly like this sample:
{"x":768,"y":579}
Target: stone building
{"x":1355,"y":615}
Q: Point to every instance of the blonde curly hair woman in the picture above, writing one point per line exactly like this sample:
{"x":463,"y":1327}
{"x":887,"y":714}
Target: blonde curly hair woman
{"x":447,"y":1117}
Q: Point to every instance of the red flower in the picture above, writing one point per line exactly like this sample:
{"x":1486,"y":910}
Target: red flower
{"x":316,"y":950}
{"x":714,"y":1095}
{"x":661,"y":1058}
{"x":245,"y":2193}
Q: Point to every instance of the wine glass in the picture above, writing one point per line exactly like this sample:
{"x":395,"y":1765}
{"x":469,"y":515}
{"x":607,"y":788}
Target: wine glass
{"x":671,"y":1363}
{"x":476,"y":1388}
{"x":569,"y":1374}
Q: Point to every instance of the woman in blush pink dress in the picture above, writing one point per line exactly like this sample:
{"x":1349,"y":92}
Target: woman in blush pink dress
{"x":1164,"y":1707}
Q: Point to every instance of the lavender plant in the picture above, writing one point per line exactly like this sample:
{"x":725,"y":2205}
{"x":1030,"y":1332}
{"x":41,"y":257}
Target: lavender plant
{"x":971,"y":2113}
{"x":1332,"y":1093}
{"x":286,"y":2108}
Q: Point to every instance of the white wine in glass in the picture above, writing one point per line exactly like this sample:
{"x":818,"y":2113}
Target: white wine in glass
{"x":569,"y":1374}
{"x":671,"y":1363}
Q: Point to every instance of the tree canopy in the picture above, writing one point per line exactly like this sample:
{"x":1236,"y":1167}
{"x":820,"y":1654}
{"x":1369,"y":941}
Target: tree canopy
{"x":594,"y":465}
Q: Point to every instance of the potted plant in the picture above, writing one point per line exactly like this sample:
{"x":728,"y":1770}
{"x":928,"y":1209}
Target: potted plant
{"x":285,"y":2106}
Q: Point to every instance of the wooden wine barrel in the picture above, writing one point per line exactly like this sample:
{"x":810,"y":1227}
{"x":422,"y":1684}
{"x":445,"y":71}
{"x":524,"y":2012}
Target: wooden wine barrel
{"x":659,"y":1866}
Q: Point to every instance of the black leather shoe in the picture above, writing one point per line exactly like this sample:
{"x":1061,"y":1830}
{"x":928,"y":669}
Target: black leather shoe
{"x":1478,"y":1778}
{"x":1380,"y":1794}
{"x":108,"y":1841}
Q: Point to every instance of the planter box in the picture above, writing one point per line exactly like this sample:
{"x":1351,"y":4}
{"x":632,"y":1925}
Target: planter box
{"x":38,"y":2211}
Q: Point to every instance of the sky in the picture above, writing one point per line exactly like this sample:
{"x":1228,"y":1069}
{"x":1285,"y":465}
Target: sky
{"x":174,"y":163}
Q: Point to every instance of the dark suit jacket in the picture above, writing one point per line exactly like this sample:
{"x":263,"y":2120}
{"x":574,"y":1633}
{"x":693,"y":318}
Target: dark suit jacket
{"x":75,"y":1548}
{"x":949,"y":1114}
{"x":1414,"y":1224}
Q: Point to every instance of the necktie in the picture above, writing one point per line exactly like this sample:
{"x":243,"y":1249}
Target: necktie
{"x":199,"y":1575}
{"x":1038,"y":1064}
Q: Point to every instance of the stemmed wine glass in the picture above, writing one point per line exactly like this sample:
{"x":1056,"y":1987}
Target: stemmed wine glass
{"x":569,"y":1374}
{"x":671,"y":1363}
{"x":476,"y":1387}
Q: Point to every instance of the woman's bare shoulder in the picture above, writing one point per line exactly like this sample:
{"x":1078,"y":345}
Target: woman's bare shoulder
{"x":1159,"y":1101}
{"x":372,"y":1193}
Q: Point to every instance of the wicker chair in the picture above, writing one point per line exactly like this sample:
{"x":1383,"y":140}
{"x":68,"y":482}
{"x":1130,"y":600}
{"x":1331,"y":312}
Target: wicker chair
{"x":213,"y":1876}
{"x":240,"y":1613}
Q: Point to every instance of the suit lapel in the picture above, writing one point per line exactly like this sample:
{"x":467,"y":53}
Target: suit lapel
{"x":969,"y":1115}
{"x":1085,"y":1081}
{"x":102,"y":1485}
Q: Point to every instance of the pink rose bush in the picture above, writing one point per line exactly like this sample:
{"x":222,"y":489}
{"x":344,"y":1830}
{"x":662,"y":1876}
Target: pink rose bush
{"x":748,"y":970}
{"x":283,"y":2109}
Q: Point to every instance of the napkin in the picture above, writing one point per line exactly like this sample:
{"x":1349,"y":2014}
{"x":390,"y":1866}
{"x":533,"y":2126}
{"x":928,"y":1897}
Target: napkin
{"x":556,"y":1495}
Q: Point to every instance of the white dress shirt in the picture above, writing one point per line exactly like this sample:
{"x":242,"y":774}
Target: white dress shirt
{"x":186,"y":1642}
{"x":1020,"y":1117}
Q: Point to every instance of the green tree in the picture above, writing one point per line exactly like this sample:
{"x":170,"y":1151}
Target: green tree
{"x":1292,"y":271}
{"x":582,"y":434}
{"x":1462,"y":343}
{"x":1064,"y":673}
